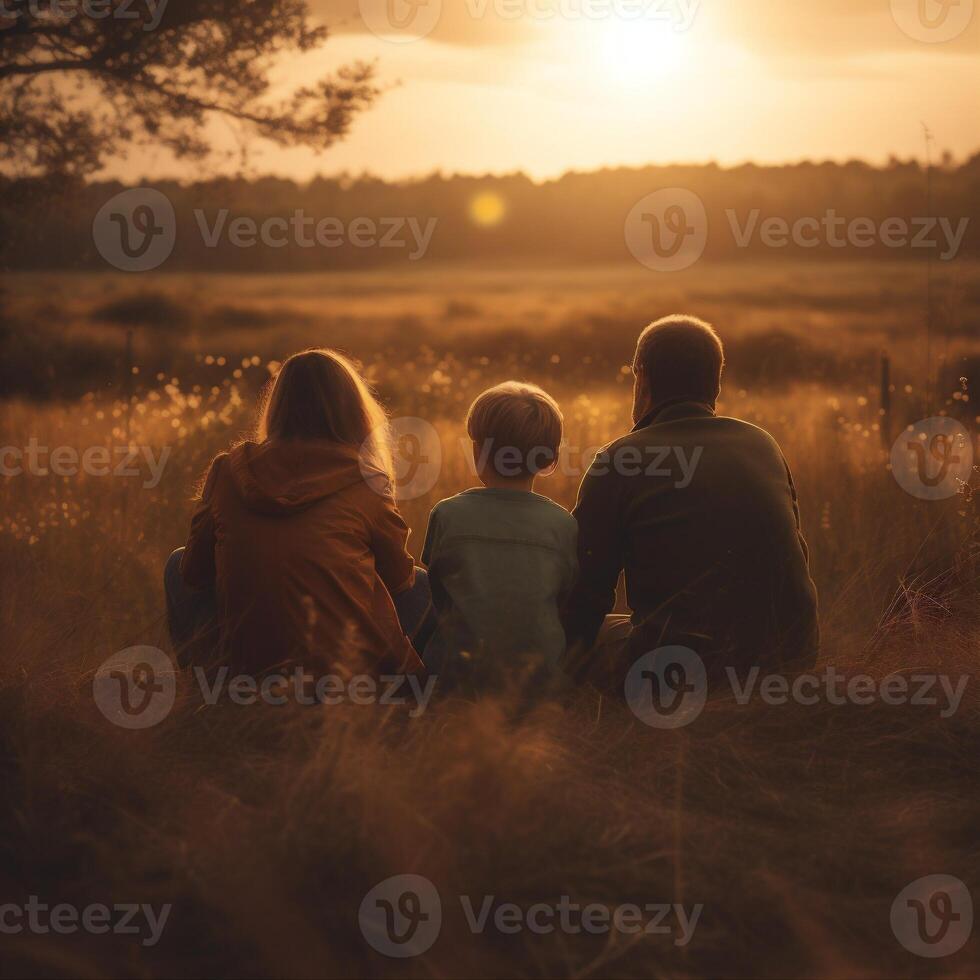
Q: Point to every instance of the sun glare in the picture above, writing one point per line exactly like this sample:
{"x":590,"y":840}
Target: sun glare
{"x":634,"y":52}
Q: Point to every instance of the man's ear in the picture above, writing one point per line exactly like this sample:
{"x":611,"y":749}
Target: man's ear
{"x":642,"y":398}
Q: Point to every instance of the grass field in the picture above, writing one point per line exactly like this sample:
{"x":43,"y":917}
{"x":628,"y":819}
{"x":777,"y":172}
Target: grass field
{"x":796,"y":826}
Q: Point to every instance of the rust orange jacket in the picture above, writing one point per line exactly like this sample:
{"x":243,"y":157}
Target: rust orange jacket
{"x":304,"y":554}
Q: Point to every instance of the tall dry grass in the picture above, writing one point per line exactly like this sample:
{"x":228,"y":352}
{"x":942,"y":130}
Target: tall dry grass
{"x":264,"y":827}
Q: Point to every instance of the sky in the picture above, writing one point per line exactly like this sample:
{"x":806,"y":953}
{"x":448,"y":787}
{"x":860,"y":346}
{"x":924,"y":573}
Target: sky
{"x":548,"y":86}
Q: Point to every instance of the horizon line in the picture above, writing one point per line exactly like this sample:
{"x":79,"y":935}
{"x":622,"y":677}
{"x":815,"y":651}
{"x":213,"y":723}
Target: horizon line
{"x":367,"y":175}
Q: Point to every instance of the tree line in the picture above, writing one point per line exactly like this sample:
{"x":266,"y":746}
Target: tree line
{"x":270,"y":224}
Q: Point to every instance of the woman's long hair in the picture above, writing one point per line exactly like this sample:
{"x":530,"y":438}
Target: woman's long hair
{"x":319,"y":395}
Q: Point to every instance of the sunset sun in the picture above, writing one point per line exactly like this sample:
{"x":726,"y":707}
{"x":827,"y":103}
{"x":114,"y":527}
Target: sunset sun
{"x":634,"y":52}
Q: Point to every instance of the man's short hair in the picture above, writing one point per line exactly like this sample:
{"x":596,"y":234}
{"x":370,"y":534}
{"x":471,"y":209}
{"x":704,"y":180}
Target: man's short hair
{"x":681,"y":357}
{"x":517,"y":428}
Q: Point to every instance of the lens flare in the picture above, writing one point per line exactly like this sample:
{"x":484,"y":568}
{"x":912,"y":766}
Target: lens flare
{"x":487,"y":209}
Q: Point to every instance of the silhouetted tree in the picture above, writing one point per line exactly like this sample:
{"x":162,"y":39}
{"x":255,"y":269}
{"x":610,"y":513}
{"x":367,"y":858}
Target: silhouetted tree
{"x":81,"y":80}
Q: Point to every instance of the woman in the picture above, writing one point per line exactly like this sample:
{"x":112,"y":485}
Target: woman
{"x":297,"y":548}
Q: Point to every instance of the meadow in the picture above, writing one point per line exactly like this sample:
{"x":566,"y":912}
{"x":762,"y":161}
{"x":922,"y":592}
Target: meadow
{"x":795,"y":826}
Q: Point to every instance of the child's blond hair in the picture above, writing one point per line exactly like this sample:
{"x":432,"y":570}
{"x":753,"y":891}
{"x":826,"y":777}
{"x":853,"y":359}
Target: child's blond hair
{"x":517,"y":429}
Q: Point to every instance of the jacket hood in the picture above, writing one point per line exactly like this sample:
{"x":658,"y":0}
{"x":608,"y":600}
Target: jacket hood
{"x":284,"y":477}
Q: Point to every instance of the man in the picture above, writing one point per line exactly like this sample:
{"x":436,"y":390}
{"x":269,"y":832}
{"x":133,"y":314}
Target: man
{"x":701,"y":513}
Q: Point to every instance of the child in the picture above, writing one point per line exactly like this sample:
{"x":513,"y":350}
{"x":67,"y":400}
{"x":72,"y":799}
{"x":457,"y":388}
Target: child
{"x":501,"y":557}
{"x":297,"y":548}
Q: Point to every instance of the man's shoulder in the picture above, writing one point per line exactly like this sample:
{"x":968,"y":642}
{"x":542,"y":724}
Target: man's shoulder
{"x":750,"y":433}
{"x":685,"y":429}
{"x":719,"y":436}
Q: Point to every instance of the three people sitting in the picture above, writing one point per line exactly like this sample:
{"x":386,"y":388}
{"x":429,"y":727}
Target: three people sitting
{"x":297,"y":551}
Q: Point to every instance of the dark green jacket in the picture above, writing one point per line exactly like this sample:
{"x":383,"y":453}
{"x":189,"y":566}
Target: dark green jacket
{"x":701,"y":513}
